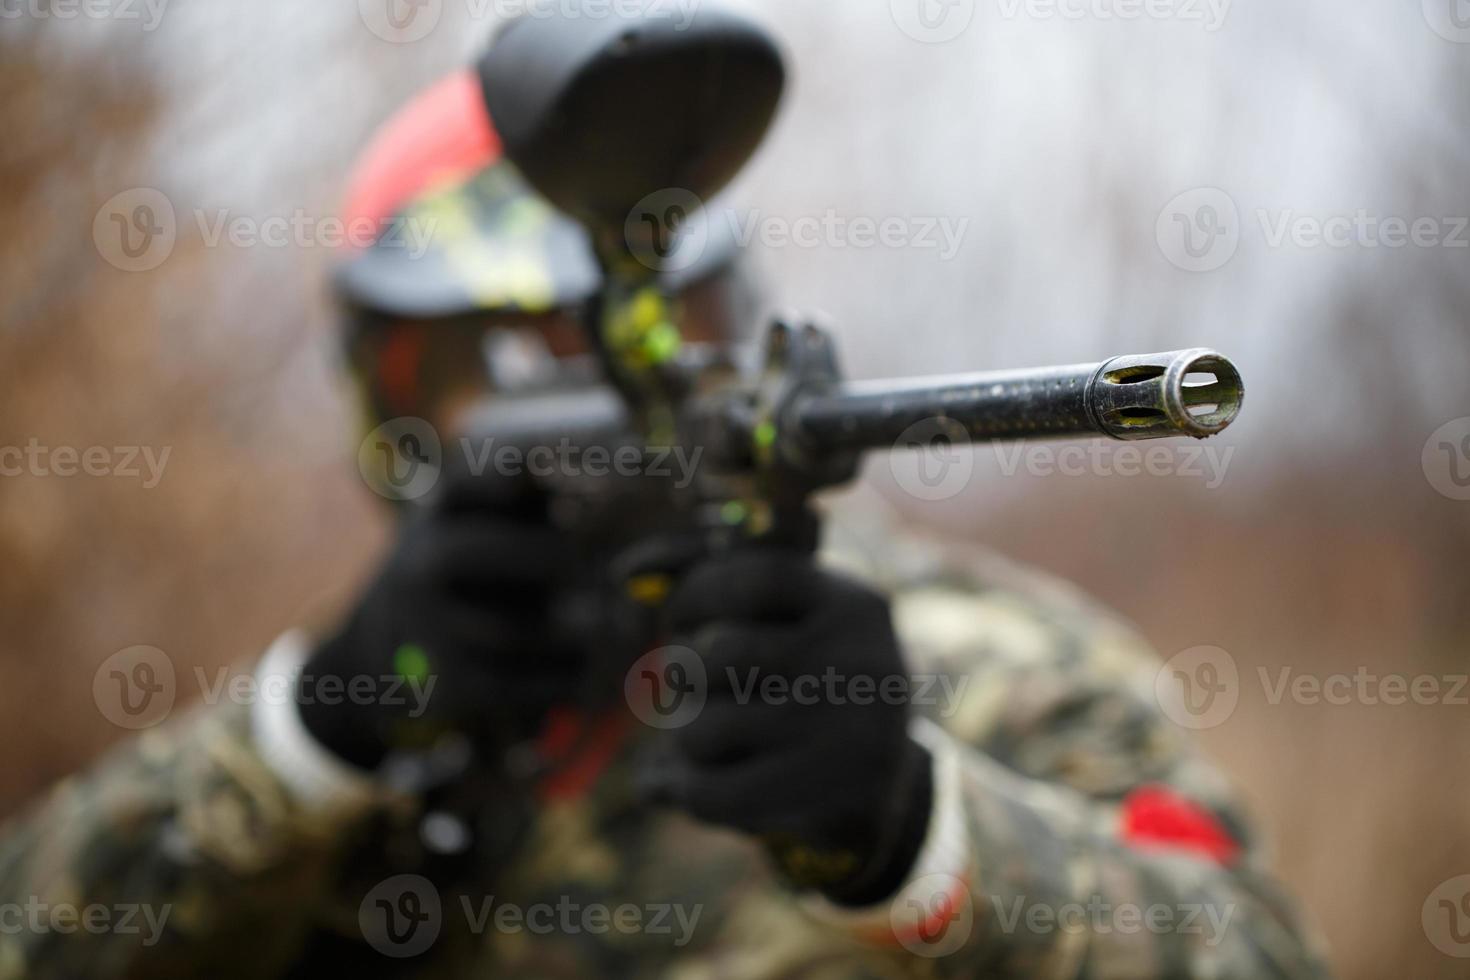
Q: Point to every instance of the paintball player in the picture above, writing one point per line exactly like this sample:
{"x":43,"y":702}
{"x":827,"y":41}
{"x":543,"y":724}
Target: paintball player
{"x":978,"y":781}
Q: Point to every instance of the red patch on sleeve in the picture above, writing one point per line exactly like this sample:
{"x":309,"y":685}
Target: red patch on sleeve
{"x":1158,"y":816}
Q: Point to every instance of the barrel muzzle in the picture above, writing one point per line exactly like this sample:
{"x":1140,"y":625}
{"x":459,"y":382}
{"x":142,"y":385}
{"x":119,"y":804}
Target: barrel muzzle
{"x":1195,"y":392}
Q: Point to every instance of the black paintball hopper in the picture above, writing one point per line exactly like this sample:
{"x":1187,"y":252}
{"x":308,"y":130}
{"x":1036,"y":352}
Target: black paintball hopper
{"x":599,"y":112}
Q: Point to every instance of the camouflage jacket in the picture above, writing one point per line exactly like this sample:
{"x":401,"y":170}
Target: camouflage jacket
{"x":183,"y":854}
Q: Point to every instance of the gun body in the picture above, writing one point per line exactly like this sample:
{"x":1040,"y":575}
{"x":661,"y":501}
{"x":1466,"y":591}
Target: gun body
{"x":759,"y":444}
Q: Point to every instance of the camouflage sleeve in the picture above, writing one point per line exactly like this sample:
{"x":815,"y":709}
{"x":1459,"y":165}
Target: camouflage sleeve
{"x":177,"y":852}
{"x":181,"y":854}
{"x":1076,"y":832}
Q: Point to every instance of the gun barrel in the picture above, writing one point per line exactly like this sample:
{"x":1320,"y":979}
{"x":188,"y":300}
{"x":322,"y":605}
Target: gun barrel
{"x":1195,"y":393}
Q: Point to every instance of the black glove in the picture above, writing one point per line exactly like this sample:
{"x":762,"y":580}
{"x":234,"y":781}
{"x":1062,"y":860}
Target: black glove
{"x":468,"y":598}
{"x":830,"y":778}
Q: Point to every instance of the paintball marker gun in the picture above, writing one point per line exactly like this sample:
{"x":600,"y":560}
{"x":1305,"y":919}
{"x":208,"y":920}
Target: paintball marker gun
{"x":605,"y":115}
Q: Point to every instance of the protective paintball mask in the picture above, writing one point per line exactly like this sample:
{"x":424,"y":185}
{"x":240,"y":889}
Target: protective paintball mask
{"x":470,"y":284}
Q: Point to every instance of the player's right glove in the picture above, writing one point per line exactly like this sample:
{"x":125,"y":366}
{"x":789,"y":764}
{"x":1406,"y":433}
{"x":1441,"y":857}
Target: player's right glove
{"x":469,"y":606}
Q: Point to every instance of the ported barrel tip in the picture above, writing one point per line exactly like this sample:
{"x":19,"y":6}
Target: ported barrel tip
{"x":1196,"y":392}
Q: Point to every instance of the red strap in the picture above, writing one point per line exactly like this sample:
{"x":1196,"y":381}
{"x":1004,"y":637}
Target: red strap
{"x":568,"y":730}
{"x":1158,"y":816}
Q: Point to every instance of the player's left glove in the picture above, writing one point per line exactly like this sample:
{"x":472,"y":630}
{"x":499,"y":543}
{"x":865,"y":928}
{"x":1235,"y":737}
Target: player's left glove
{"x":804,"y":738}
